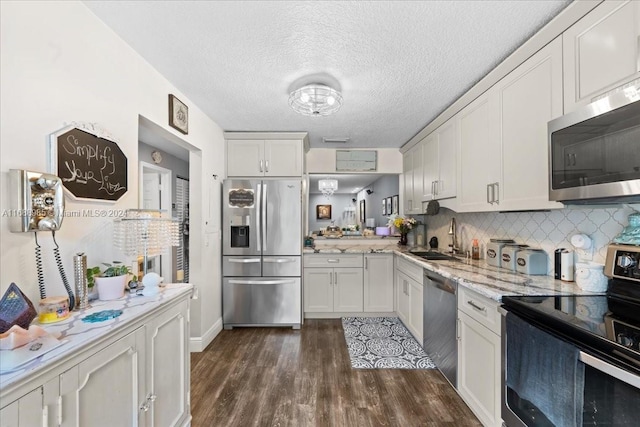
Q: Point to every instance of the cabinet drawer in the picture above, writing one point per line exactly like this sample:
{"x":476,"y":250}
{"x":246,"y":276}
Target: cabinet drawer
{"x":409,"y":268}
{"x":480,"y":308}
{"x":333,"y":260}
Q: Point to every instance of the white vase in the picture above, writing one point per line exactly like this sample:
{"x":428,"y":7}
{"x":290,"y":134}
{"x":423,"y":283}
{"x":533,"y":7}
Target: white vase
{"x":110,"y":288}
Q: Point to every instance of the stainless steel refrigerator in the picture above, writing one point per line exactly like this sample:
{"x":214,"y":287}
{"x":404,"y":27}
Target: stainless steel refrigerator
{"x":262,"y":253}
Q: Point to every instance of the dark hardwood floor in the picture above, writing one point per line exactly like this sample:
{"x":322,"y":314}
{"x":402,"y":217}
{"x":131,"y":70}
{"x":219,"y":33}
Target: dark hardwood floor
{"x":282,"y":377}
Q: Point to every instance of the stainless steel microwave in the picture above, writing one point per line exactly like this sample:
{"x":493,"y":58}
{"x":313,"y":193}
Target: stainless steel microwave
{"x":594,"y":152}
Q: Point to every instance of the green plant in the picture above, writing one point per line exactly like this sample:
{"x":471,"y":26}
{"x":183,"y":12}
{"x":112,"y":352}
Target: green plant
{"x":112,"y":270}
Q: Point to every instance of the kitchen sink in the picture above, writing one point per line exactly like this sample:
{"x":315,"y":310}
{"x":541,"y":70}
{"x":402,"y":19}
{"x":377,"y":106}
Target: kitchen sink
{"x":434,"y":256}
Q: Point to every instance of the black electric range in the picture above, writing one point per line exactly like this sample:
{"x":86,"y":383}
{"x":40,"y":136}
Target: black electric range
{"x":606,"y":326}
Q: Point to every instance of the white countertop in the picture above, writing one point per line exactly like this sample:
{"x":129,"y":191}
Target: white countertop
{"x":492,"y":282}
{"x":76,"y":334}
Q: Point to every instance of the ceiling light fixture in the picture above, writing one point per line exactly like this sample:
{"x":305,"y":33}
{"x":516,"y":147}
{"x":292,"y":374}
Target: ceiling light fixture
{"x":315,"y":100}
{"x":328,"y":187}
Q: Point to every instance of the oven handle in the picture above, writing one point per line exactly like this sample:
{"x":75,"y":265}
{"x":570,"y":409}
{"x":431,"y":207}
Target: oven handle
{"x":614,"y":371}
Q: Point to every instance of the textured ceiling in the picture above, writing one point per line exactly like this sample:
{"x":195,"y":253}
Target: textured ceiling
{"x":398,"y":64}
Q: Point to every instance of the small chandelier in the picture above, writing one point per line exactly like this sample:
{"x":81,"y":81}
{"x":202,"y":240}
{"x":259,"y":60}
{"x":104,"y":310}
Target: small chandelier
{"x":315,"y":100}
{"x":328,"y":187}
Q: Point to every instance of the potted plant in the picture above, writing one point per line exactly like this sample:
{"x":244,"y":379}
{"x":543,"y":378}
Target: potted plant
{"x":111,"y":282}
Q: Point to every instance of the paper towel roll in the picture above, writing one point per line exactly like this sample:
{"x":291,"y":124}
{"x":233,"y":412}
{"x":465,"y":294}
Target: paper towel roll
{"x":581,"y":241}
{"x":566,"y":270}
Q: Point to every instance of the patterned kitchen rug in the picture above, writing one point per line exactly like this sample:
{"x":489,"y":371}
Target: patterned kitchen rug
{"x":383,"y":343}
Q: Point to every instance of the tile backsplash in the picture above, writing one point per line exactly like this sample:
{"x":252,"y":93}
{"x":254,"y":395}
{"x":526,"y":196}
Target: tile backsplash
{"x":547,"y":230}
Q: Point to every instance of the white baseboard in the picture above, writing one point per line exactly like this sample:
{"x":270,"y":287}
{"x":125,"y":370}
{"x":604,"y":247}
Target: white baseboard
{"x":349,"y":314}
{"x":198,"y":344}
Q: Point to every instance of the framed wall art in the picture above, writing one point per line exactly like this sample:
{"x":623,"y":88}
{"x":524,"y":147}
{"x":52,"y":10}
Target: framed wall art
{"x":388,"y":203}
{"x":395,"y":203}
{"x":178,"y":115}
{"x":323,"y":211}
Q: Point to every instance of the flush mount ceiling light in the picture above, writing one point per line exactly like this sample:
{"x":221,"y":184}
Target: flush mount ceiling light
{"x":315,"y":100}
{"x":328,"y":186}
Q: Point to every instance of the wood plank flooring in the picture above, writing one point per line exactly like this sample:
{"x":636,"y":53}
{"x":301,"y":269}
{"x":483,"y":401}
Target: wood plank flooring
{"x":283,"y":377}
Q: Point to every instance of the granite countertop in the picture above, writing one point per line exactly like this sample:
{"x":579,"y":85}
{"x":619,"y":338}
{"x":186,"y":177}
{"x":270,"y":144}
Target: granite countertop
{"x":491,"y":282}
{"x":76,"y":334}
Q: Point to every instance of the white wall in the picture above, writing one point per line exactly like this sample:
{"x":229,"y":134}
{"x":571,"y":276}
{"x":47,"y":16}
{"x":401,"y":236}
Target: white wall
{"x":60,"y":64}
{"x":386,"y":186}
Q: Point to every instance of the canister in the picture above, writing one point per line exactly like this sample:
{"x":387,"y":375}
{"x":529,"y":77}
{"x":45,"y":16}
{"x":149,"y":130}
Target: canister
{"x":508,"y":255}
{"x":532,"y":261}
{"x":494,"y":251}
{"x":53,"y":309}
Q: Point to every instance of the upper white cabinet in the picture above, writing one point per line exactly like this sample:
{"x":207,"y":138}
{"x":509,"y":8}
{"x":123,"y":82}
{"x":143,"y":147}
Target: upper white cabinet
{"x":439,"y":162}
{"x":257,"y":155}
{"x":503,"y":138}
{"x":601,"y":52}
{"x":412,"y":176}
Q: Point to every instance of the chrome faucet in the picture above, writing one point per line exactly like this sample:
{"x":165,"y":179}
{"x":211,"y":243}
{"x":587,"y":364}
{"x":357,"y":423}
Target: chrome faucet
{"x":453,"y":247}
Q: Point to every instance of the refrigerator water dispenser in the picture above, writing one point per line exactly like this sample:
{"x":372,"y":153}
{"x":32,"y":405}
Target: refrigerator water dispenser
{"x":239,"y":236}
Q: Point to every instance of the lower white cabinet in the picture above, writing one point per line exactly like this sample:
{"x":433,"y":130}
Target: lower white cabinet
{"x":378,"y":282}
{"x":333,"y":289}
{"x":139,"y":379}
{"x":410,"y":304}
{"x":479,"y":356}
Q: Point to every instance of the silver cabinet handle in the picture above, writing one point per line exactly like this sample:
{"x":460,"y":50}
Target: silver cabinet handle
{"x":333,"y":261}
{"x":366,"y":263}
{"x":335,"y":281}
{"x":609,"y":369}
{"x":496,"y":193}
{"x":476,"y":306}
{"x":330,"y":278}
{"x":266,"y":165}
{"x":261,"y":166}
{"x":488,"y":200}
{"x":458,"y":336}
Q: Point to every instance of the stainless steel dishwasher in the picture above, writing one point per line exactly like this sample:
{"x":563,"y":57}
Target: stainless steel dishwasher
{"x":439,"y":323}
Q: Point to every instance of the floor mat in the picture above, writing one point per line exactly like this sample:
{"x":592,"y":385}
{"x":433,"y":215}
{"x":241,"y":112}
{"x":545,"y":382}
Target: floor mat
{"x":383,"y":343}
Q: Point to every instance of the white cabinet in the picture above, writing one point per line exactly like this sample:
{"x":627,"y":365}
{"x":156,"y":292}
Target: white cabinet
{"x":257,"y":158}
{"x":503,"y":138}
{"x":107,"y":388}
{"x":601,"y":52}
{"x":139,"y":376}
{"x":409,"y":296}
{"x":333,"y":283}
{"x":412,"y":179}
{"x":266,"y":154}
{"x":439,"y":162}
{"x":479,"y":356}
{"x":378,"y":282}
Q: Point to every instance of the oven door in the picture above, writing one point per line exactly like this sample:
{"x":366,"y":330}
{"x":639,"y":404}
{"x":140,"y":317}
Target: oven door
{"x":609,"y":396}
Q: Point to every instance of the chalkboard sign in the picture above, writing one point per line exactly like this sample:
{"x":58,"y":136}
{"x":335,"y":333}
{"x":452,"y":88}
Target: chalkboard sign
{"x":90,"y":166}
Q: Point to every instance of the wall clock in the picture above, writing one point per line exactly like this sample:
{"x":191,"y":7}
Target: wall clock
{"x":178,"y":115}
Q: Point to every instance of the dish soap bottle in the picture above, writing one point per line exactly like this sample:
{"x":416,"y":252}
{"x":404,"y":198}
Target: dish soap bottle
{"x":475,"y":249}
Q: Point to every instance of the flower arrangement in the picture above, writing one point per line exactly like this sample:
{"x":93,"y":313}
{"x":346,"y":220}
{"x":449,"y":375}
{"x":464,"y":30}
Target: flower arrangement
{"x":404,"y":225}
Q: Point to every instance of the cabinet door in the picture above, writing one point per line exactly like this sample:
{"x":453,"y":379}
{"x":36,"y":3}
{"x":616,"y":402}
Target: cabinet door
{"x":27,"y":411}
{"x":447,"y":160}
{"x":530,"y":96}
{"x":416,"y":309}
{"x":430,"y":166}
{"x":601,"y":52}
{"x":348,"y":289}
{"x":402,"y":297}
{"x":479,"y":148}
{"x":417,"y":170}
{"x":245,"y":157}
{"x":318,"y":290}
{"x":283,"y":158}
{"x":479,"y":369}
{"x":167,"y":367}
{"x":107,"y":389}
{"x":407,"y":178}
{"x":378,"y":282}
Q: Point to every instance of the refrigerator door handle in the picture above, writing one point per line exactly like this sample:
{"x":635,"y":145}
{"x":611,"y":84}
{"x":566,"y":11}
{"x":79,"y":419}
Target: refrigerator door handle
{"x":279,"y":260}
{"x":261,"y":282}
{"x":263,"y":215}
{"x":258,"y":212}
{"x":244,"y":260}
